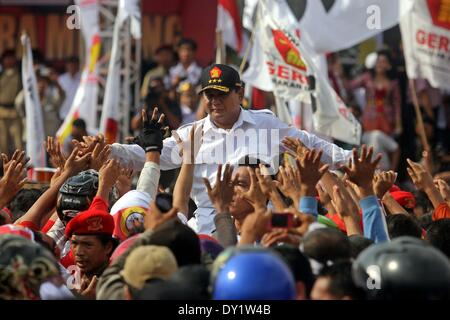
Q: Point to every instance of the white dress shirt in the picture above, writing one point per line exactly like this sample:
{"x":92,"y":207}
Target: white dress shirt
{"x":257,"y":133}
{"x":70,"y":85}
{"x":192,"y":73}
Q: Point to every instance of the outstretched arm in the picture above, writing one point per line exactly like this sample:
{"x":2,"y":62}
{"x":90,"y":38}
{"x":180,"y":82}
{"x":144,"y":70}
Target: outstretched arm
{"x":42,"y":209}
{"x":332,"y":154}
{"x":189,"y":150}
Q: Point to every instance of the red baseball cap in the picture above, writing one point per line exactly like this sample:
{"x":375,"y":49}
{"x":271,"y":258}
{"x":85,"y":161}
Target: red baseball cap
{"x":405,"y":199}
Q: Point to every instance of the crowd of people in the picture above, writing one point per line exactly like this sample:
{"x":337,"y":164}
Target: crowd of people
{"x":210,"y":200}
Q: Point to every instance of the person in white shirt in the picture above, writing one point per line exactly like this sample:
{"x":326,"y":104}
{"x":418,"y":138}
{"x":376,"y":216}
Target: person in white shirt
{"x":231,"y":132}
{"x":69,"y":81}
{"x":188,"y":102}
{"x":187,"y":68}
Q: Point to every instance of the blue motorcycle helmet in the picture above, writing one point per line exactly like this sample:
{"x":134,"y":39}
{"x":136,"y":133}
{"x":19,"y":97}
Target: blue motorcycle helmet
{"x":251,"y":274}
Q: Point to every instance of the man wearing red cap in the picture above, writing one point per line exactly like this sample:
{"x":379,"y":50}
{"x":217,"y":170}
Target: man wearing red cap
{"x":90,"y":233}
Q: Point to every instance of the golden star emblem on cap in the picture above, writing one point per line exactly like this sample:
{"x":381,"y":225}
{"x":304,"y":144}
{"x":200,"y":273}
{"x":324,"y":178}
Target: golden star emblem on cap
{"x":215,"y":72}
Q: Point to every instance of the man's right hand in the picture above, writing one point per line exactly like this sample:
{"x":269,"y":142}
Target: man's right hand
{"x":222,"y":192}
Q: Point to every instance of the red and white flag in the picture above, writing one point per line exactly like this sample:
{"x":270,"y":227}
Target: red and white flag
{"x":229,"y":23}
{"x":284,"y":64}
{"x":425,"y":27}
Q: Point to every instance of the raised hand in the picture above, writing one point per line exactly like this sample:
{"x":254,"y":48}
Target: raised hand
{"x":151,"y":137}
{"x":222,"y":192}
{"x":109,"y":173}
{"x":55,"y":177}
{"x":362,"y":169}
{"x":57,"y":159}
{"x":345,"y":210}
{"x":100,"y":155}
{"x":289,"y":183}
{"x":266,"y":184}
{"x":255,"y":226}
{"x":89,"y":143}
{"x":280,"y":235}
{"x":18,"y":156}
{"x":254,"y":195}
{"x":124,"y":181}
{"x":421,"y":178}
{"x":88,"y":287}
{"x":154,"y":218}
{"x":311,"y":171}
{"x":11,"y":183}
{"x":295,"y":146}
{"x":382,"y":182}
{"x":444,"y":189}
{"x":189,"y":148}
{"x":75,"y":164}
{"x":325,"y":199}
{"x":269,"y":187}
{"x":302,"y":221}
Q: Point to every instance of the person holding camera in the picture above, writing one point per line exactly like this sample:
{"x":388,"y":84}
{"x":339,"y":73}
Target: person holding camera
{"x":157,"y":95}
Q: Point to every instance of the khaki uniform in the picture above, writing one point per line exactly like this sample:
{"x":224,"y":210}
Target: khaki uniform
{"x":10,"y":122}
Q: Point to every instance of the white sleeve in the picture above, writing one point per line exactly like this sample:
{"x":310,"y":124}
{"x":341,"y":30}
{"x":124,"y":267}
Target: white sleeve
{"x":332,"y":154}
{"x":149,"y":179}
{"x":129,"y":155}
{"x":390,"y":144}
{"x":170,"y":155}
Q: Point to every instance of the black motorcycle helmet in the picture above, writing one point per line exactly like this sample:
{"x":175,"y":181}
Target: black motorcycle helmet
{"x":76,"y":194}
{"x":405,"y":268}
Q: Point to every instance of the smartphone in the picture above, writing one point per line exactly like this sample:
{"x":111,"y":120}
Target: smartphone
{"x":282,"y":220}
{"x":164,"y":202}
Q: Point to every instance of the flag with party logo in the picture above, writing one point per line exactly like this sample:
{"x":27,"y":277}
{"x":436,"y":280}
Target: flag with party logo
{"x":425,"y":28}
{"x":282,"y":62}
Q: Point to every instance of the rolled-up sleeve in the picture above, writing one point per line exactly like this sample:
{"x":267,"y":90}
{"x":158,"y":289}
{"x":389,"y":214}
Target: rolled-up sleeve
{"x":149,"y":179}
{"x":373,"y":220}
{"x":170,"y":158}
{"x":308,"y":205}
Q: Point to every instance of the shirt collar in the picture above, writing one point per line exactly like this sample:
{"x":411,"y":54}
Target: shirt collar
{"x":244,"y":116}
{"x":191,"y":67}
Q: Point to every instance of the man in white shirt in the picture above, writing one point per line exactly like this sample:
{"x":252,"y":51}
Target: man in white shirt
{"x":384,"y":144}
{"x":188,"y":102}
{"x":186,"y":68}
{"x":230,"y":132}
{"x":69,"y":81}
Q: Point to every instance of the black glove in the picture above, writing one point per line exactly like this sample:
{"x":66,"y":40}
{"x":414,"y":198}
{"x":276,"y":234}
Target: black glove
{"x":151,"y":137}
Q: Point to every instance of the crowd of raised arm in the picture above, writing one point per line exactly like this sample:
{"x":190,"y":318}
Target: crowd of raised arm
{"x":314,"y":228}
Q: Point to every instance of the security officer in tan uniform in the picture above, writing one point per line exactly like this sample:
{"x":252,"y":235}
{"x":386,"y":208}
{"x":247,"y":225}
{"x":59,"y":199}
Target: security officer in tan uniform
{"x":10,"y":122}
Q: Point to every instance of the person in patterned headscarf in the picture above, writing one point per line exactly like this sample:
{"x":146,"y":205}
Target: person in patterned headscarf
{"x":24,"y":266}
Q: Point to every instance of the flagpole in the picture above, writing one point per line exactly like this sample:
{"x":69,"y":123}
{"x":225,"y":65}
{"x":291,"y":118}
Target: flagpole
{"x":415,"y":100}
{"x":250,"y":42}
{"x":220,"y":48}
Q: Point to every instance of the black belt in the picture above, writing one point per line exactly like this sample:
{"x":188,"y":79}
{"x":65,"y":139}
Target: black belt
{"x":7,"y":106}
